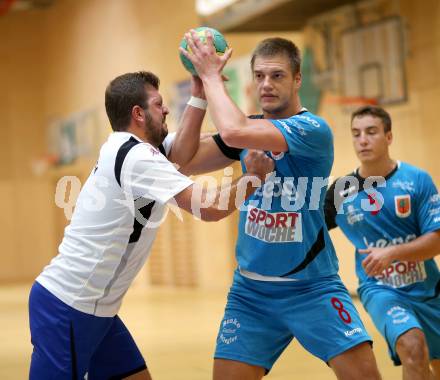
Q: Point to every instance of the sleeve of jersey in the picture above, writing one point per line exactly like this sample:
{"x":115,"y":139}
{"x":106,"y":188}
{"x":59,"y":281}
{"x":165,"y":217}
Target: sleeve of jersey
{"x":168,"y":142}
{"x":330,"y":208}
{"x":229,"y":152}
{"x":150,"y":175}
{"x":306,"y":136}
{"x":428,"y":205}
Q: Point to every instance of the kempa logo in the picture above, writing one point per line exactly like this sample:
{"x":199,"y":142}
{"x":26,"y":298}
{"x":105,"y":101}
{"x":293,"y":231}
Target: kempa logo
{"x":356,"y":330}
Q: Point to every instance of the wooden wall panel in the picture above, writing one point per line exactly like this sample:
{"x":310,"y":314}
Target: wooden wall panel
{"x":8,"y":269}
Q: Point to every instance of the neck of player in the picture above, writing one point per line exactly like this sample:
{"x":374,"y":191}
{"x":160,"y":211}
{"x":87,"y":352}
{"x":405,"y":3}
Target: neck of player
{"x":143,"y":135}
{"x":292,"y":109}
{"x":379,"y":168}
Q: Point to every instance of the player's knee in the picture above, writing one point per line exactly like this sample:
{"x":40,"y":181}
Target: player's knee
{"x":235,"y":370}
{"x":358,"y":363}
{"x":412,"y":348}
{"x":143,"y":375}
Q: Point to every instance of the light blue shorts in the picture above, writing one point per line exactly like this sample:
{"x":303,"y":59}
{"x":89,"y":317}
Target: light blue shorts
{"x":261,"y":318}
{"x":394,"y":313}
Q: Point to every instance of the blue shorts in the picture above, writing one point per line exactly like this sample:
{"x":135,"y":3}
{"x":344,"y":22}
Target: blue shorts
{"x":68,"y":344}
{"x":261,"y":319}
{"x":393,"y":314}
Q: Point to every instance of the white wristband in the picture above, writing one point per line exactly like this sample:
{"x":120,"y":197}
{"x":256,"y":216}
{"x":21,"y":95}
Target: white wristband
{"x":197,"y":103}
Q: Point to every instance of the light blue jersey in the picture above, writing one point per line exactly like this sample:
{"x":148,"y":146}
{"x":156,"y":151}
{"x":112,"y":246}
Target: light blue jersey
{"x":282,"y":229}
{"x":398,"y":210}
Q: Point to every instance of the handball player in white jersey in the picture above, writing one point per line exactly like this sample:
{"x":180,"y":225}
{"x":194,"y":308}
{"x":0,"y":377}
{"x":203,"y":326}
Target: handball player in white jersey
{"x":73,"y":304}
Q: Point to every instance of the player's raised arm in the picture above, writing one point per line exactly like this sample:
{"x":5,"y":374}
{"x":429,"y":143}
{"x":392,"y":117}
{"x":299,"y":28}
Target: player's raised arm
{"x":186,"y":141}
{"x":193,"y":152}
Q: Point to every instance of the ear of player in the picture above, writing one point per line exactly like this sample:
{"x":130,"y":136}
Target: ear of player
{"x":218,"y":39}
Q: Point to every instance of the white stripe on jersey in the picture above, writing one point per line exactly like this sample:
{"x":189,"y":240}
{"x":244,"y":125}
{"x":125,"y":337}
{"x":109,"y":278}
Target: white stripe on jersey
{"x":96,"y":262}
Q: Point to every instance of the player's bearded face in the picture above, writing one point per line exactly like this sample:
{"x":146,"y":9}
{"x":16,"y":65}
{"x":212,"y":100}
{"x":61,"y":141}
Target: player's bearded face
{"x":155,"y":118}
{"x":156,"y":130}
{"x":275,"y":83}
{"x":370,"y":141}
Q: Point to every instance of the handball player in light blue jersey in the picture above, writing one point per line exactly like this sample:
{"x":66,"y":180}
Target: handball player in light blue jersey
{"x":390,"y":211}
{"x":286,"y":284}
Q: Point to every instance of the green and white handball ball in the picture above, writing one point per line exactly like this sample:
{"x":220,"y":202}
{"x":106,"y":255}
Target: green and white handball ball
{"x":219,"y":41}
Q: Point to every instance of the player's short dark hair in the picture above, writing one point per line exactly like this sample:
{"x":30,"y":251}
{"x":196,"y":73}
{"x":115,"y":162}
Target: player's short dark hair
{"x":376,"y":112}
{"x":123,"y":93}
{"x":275,"y":46}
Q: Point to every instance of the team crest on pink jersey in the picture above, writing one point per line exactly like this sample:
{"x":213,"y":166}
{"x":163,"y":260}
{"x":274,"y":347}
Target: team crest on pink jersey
{"x":402,"y":204}
{"x":277,"y":155}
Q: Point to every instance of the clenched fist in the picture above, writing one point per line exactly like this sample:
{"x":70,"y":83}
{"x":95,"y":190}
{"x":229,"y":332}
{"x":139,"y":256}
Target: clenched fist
{"x":258,"y":163}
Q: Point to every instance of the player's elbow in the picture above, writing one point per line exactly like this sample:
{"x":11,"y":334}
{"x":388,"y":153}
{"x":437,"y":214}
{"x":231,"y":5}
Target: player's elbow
{"x":234,"y":132}
{"x":189,"y":169}
{"x":232,"y":137}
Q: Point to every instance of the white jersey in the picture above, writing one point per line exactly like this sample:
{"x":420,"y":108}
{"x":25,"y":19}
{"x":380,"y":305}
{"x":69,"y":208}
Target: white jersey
{"x":114,"y":224}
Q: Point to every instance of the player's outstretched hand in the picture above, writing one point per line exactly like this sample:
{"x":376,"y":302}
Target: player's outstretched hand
{"x":257,"y":162}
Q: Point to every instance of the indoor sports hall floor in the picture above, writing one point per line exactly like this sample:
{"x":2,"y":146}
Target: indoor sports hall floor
{"x":175,"y":330}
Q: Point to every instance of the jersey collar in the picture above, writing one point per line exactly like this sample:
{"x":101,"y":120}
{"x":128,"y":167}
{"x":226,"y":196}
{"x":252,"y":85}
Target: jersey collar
{"x":387,"y":177}
{"x":124,"y":134}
